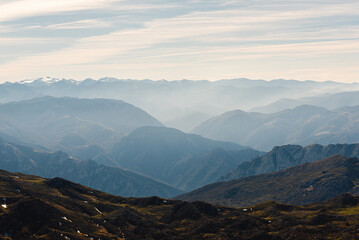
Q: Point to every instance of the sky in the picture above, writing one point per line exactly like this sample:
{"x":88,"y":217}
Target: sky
{"x":187,"y":39}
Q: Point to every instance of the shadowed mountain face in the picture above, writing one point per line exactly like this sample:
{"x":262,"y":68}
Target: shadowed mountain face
{"x":84,"y":128}
{"x":37,"y":208}
{"x":205,"y":168}
{"x":288,"y":156}
{"x":302,"y":125}
{"x":183,"y":160}
{"x":58,"y":164}
{"x":304,"y":184}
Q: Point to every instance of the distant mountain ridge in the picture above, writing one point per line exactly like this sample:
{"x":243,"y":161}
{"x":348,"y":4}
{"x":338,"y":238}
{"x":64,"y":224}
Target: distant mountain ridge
{"x":84,"y":128}
{"x":286,"y":156}
{"x":329,"y":101}
{"x":113,"y":180}
{"x":181,"y":104}
{"x":302,"y":125}
{"x":115,"y":114}
{"x":303,"y":184}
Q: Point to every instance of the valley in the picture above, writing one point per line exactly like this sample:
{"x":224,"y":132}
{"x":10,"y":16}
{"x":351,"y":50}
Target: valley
{"x":199,"y":183}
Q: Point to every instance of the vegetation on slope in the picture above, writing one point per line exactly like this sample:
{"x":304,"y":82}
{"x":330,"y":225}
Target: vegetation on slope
{"x":304,"y":184}
{"x":37,"y":208}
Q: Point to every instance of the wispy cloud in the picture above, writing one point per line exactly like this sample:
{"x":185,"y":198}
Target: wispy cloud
{"x":234,"y":38}
{"x":81,"y":24}
{"x":11,"y":10}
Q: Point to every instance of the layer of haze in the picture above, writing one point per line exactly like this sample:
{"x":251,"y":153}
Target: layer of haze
{"x":192,"y":39}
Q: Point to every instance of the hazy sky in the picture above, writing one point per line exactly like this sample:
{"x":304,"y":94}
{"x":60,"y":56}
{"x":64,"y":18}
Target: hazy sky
{"x":192,"y":39}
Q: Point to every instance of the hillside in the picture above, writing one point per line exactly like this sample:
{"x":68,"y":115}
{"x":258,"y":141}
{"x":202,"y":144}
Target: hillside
{"x":304,"y":184}
{"x":58,"y":164}
{"x":286,"y":156}
{"x":81,"y":127}
{"x":37,"y":208}
{"x":302,"y":125}
{"x":205,"y":168}
{"x":167,"y":154}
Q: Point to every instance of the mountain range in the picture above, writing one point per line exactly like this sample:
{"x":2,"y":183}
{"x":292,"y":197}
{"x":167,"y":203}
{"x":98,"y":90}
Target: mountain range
{"x":113,"y":180}
{"x":302,"y":125}
{"x":38,"y":208}
{"x":284,"y":170}
{"x":117,"y":134}
{"x":303,"y":184}
{"x":84,"y":128}
{"x":327,"y":100}
{"x":185,"y":161}
{"x":286,"y":156}
{"x":180,"y":104}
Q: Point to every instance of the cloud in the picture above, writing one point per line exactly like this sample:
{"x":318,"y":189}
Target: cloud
{"x":81,"y":24}
{"x":252,"y":31}
{"x":12,"y":10}
{"x":12,"y":41}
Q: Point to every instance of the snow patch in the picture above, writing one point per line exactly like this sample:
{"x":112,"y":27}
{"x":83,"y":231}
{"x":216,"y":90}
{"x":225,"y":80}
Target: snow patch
{"x":98,"y":210}
{"x":45,"y":81}
{"x":66,"y":219}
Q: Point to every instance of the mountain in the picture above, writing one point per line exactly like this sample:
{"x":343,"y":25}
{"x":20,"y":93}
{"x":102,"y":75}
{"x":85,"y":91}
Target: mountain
{"x":188,"y":102}
{"x":205,"y":168}
{"x":304,"y":184}
{"x":185,"y":119}
{"x":167,"y":154}
{"x":113,"y":180}
{"x":37,"y":208}
{"x":288,"y":156}
{"x":81,"y":127}
{"x":302,"y":125}
{"x":16,"y":92}
{"x":328,"y":100}
{"x":280,"y":105}
{"x":114,"y":114}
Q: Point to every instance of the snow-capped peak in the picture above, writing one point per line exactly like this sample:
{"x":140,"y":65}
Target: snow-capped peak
{"x":45,"y":81}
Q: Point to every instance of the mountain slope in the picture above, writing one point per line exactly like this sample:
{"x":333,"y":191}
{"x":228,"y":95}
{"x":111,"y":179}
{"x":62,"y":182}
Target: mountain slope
{"x":114,"y":114}
{"x":155,"y":152}
{"x":329,"y":101}
{"x":302,"y":125}
{"x":288,"y":156}
{"x":205,"y":168}
{"x":73,"y":125}
{"x":304,"y":184}
{"x":37,"y":208}
{"x":58,"y":164}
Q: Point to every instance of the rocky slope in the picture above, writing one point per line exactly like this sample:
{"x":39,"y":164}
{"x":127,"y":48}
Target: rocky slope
{"x":37,"y":208}
{"x":304,"y":184}
{"x":205,"y":168}
{"x":286,"y":156}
